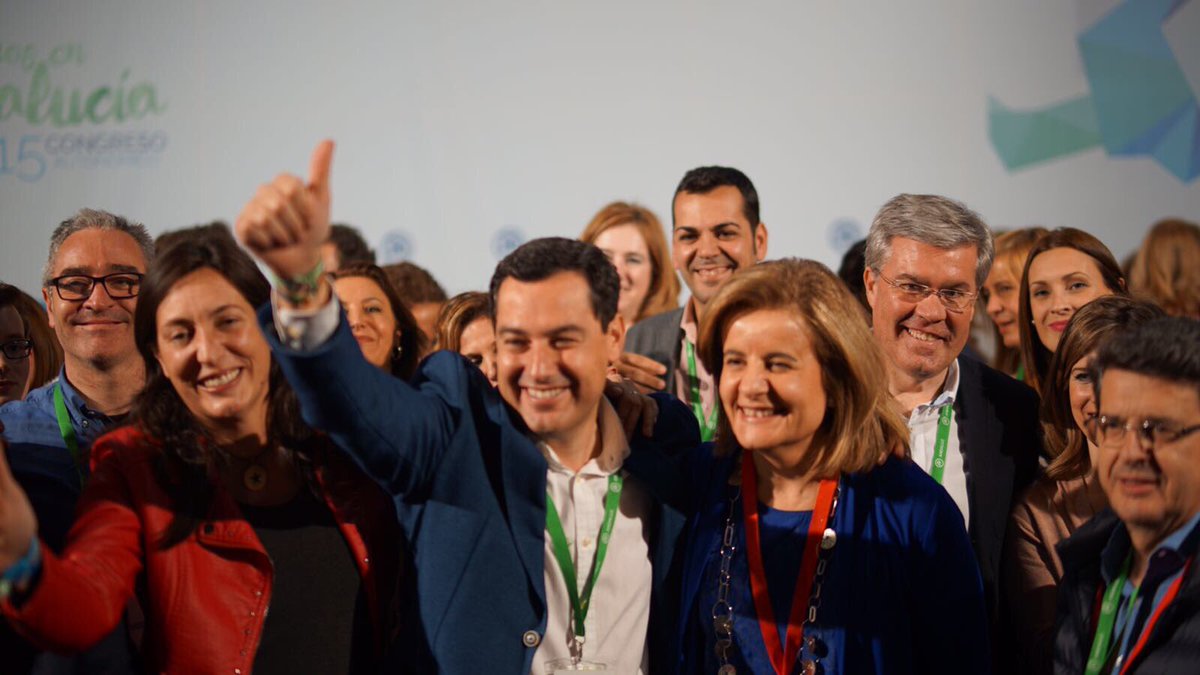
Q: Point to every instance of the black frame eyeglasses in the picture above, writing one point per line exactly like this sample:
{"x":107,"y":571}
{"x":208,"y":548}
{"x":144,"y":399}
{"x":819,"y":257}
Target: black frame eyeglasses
{"x":17,"y":349}
{"x":1154,"y":433}
{"x":952,"y":299}
{"x":118,"y":285}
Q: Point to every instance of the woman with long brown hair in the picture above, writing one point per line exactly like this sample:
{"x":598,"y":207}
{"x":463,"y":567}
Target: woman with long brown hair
{"x":248,"y":541}
{"x":382,"y":324}
{"x":807,"y":547}
{"x":1068,"y":494}
{"x":1066,"y":269}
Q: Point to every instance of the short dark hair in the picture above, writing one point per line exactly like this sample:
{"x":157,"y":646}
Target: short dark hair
{"x":542,"y":258}
{"x":705,"y":179}
{"x":414,"y":283}
{"x":1163,"y":348}
{"x":352,"y":248}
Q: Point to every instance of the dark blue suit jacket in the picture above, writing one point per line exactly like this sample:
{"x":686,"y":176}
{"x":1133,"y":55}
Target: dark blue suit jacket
{"x":470,"y":494}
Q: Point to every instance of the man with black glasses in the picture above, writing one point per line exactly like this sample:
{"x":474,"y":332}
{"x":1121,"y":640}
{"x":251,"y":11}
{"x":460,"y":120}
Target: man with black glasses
{"x":1130,"y":595}
{"x":90,"y":284}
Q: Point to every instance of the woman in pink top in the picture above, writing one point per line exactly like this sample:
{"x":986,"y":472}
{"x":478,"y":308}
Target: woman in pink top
{"x":1068,"y":494}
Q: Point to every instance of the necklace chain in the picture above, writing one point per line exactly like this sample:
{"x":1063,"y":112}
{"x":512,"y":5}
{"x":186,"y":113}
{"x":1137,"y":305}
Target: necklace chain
{"x":722,"y":609}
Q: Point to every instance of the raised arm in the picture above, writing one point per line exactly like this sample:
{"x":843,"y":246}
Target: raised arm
{"x":94,"y":577}
{"x":395,"y":431}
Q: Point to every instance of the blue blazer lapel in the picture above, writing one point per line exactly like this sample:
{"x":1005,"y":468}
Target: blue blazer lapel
{"x":524,"y":474}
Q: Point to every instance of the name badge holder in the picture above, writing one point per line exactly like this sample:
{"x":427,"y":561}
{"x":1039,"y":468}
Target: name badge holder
{"x":570,"y":665}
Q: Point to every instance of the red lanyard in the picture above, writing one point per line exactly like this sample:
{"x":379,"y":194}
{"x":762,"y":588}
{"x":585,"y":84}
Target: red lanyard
{"x":782,"y":657}
{"x":1168,"y":598}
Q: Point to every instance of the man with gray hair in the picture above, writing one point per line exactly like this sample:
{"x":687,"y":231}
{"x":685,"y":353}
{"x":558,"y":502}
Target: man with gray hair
{"x":973,"y":429}
{"x":90,"y":285}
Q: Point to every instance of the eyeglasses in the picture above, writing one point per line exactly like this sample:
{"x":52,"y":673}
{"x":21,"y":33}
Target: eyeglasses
{"x":1154,"y":433}
{"x":17,"y":349}
{"x":953,"y":299}
{"x":79,"y":287}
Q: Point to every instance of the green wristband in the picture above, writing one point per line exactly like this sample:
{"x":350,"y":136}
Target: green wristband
{"x":298,"y":290}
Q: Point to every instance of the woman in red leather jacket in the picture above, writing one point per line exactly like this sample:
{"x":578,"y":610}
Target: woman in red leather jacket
{"x":250,"y":543}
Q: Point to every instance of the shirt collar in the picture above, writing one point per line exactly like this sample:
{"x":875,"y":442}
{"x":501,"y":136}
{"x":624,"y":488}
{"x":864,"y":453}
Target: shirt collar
{"x":614,"y":446}
{"x":948,"y":393}
{"x":1164,"y":559}
{"x":687,"y":322}
{"x":76,"y":405}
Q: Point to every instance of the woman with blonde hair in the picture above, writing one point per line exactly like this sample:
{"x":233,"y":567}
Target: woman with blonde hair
{"x":1166,"y":270}
{"x":632,"y":238}
{"x":1068,"y":494}
{"x":999,"y":295}
{"x":811,"y":545}
{"x":465,"y":326}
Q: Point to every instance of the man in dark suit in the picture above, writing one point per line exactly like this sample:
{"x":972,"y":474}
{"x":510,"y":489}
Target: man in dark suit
{"x":506,"y":500}
{"x":1129,"y":600}
{"x":972,"y":428}
{"x":716,"y":231}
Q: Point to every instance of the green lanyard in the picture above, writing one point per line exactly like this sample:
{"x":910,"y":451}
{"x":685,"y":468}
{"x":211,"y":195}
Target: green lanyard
{"x":67,"y":430}
{"x":1101,"y":647}
{"x":942,"y":443}
{"x":562,"y":553}
{"x":708,"y":426}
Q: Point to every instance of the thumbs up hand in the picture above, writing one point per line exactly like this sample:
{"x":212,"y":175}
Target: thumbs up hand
{"x":18,"y":525}
{"x":287,"y":220}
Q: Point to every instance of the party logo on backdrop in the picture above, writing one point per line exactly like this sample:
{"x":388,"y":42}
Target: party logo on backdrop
{"x":57,"y":113}
{"x":1142,"y":62}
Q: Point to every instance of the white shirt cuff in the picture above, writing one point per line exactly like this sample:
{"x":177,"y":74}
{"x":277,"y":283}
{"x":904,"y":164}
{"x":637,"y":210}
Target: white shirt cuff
{"x":304,"y":330}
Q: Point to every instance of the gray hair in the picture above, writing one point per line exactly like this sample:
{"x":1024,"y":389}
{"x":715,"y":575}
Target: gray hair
{"x":934,"y":221}
{"x":88,"y":219}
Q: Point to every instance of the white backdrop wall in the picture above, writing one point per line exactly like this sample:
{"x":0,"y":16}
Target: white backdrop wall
{"x":464,"y":127}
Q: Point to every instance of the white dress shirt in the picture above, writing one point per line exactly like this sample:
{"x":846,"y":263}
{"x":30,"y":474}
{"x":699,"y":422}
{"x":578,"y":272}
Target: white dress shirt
{"x":619,"y":614}
{"x":922,"y":430}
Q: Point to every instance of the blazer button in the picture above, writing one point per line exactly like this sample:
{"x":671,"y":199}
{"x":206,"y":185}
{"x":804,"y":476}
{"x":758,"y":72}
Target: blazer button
{"x":531,"y":638}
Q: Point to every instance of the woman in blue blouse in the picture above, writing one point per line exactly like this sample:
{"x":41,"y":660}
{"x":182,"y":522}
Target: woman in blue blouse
{"x":809,"y":551}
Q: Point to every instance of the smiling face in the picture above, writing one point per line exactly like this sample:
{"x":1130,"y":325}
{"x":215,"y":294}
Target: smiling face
{"x":99,"y":330}
{"x":478,"y":344}
{"x":627,"y":250}
{"x":209,"y":346}
{"x":1082,"y":396}
{"x":1156,"y":490}
{"x":14,"y":373}
{"x":1000,"y":293}
{"x":371,"y":318}
{"x":1061,"y":280}
{"x":553,"y":355}
{"x":921,"y":339}
{"x":712,"y":239}
{"x":771,"y":388}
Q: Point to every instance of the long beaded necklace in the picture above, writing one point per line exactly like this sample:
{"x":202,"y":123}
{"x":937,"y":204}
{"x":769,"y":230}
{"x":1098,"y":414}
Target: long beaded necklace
{"x":722,"y":609}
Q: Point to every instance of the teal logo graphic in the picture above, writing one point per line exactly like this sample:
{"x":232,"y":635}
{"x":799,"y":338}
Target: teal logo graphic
{"x":1142,"y":62}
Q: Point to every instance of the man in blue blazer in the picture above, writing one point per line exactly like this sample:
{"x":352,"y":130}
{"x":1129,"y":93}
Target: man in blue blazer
{"x":474,"y":474}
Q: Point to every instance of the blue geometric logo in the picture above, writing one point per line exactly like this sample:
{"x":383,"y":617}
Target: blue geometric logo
{"x":506,"y":240}
{"x":1142,"y":62}
{"x":396,"y":246}
{"x":843,"y":233}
